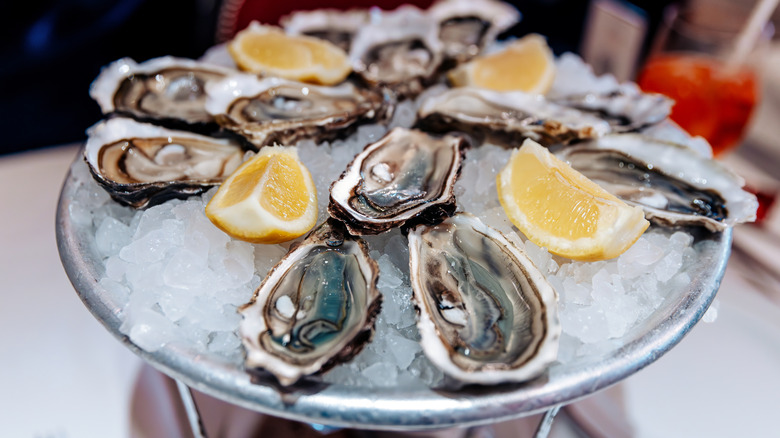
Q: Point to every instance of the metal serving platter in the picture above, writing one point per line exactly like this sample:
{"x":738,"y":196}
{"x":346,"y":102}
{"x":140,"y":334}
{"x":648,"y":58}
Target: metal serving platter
{"x":405,"y":408}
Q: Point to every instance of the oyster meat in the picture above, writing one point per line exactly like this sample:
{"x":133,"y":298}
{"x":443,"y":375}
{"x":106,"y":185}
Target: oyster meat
{"x":406,"y":176}
{"x":166,"y":90}
{"x":486,"y":313}
{"x":672,"y":183}
{"x":468,"y":26}
{"x":274,"y":110}
{"x":142,"y":165}
{"x":507,"y":118}
{"x":338,"y":27}
{"x":316,"y":307}
{"x":401,"y":51}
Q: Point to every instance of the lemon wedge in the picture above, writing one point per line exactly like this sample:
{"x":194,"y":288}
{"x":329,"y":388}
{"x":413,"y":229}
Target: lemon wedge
{"x":270,"y":198}
{"x":267,"y":50}
{"x":557,"y":207}
{"x":526,"y":64}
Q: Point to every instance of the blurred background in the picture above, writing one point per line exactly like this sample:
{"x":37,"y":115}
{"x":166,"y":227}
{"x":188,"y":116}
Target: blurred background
{"x":51,"y":50}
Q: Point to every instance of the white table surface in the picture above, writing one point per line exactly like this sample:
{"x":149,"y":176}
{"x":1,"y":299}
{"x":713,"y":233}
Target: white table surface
{"x":63,"y":375}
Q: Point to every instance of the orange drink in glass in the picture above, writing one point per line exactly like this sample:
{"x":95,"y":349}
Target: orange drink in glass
{"x":687,"y":63}
{"x":710,"y":100}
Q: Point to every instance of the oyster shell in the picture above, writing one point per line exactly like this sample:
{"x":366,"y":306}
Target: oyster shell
{"x":468,"y":26}
{"x":142,"y":165}
{"x":407,"y":175}
{"x":624,"y":111}
{"x":274,"y":110}
{"x":672,"y":183}
{"x":166,"y":90}
{"x":338,"y":27}
{"x":507,"y":118}
{"x":486,"y":313}
{"x":316,"y":307}
{"x":400,"y":51}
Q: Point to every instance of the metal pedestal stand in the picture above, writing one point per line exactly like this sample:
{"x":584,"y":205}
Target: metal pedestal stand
{"x":198,"y":429}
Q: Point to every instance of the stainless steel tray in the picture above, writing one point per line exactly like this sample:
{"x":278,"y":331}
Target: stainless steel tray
{"x":404,"y":408}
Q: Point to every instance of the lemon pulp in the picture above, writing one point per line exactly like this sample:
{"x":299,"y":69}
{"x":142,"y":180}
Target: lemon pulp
{"x":524,"y":65}
{"x":269,"y":199}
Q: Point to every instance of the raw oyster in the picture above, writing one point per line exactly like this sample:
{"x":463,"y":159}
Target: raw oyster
{"x":507,"y":118}
{"x":625,"y":111}
{"x":401,"y":51}
{"x":468,"y":26}
{"x":407,"y":175}
{"x":274,"y":110}
{"x":316,"y":307}
{"x":164,"y":90}
{"x":486,"y":313}
{"x":672,"y":183}
{"x":336,"y":26}
{"x":142,"y":165}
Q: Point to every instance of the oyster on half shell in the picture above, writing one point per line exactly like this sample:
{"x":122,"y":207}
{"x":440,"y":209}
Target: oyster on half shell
{"x":507,"y":118}
{"x":316,"y":307}
{"x":142,"y":165}
{"x":406,"y":176}
{"x":486,"y":313}
{"x":274,"y":110}
{"x":468,"y":26}
{"x":674,"y":184}
{"x":624,"y":111}
{"x":401,"y":51}
{"x":338,"y":27}
{"x":167,"y":90}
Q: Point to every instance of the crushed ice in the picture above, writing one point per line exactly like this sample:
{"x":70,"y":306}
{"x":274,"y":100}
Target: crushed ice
{"x":180,"y":280}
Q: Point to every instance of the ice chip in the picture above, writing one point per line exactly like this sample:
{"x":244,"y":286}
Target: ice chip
{"x":638,"y":257}
{"x":111,"y":236}
{"x":152,"y":218}
{"x":575,"y":292}
{"x":225,"y":342}
{"x":118,"y":292}
{"x":150,"y":247}
{"x":174,"y":303}
{"x":209,"y":314}
{"x":680,"y":240}
{"x":185,"y":269}
{"x":149,"y":330}
{"x":381,"y":374}
{"x":668,"y":266}
{"x":116,"y":268}
{"x":397,"y":249}
{"x":403,"y":350}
